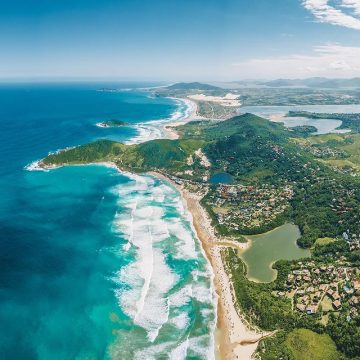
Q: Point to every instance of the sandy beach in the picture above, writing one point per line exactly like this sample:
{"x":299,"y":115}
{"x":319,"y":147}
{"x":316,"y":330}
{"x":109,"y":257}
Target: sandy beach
{"x":233,"y":339}
{"x":229,"y":99}
{"x":192,"y":114}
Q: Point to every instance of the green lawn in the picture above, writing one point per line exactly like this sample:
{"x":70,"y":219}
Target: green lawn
{"x":324,"y":241}
{"x":308,"y":345}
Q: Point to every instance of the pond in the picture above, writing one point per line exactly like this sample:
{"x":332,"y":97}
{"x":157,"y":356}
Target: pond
{"x":221,"y":178}
{"x":267,"y":248}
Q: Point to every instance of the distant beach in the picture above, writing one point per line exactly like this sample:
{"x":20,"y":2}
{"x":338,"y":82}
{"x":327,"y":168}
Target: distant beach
{"x":190,"y":114}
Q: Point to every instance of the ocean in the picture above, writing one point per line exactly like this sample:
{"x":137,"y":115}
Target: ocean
{"x":95,"y":264}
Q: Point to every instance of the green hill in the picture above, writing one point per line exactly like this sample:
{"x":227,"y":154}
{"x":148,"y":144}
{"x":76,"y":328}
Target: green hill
{"x":192,"y":86}
{"x":253,"y":151}
{"x":307,"y":345}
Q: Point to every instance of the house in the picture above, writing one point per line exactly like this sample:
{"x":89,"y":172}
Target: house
{"x":348,"y":291}
{"x":300,"y":307}
{"x":354,"y":301}
{"x":303,"y":299}
{"x":336,"y":304}
{"x":356,"y":284}
{"x":353,"y":312}
{"x":310,"y":289}
{"x":311,"y":309}
{"x":323,"y":287}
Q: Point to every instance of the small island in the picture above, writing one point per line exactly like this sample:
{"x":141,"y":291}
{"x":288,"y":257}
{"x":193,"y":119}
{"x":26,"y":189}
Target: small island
{"x":111,"y":123}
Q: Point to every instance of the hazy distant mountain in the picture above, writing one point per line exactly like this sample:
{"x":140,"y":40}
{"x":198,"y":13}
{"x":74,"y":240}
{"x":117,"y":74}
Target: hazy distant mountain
{"x":192,"y":86}
{"x":316,"y":82}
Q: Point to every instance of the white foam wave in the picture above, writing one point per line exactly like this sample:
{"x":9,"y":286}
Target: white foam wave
{"x":180,"y":352}
{"x":34,"y":166}
{"x":181,"y":320}
{"x":153,"y":129}
{"x":200,"y":345}
{"x":181,"y":297}
{"x":146,"y":286}
{"x":185,"y":245}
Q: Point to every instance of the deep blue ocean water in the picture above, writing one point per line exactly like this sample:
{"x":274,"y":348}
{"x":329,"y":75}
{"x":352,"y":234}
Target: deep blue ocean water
{"x":94,"y":264}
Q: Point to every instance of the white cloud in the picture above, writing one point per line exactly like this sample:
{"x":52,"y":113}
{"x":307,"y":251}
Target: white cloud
{"x":331,"y":60}
{"x":353,"y":5}
{"x":343,"y":13}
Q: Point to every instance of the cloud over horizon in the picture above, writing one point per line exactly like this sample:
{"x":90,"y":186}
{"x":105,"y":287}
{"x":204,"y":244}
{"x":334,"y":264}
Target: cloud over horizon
{"x":342,"y":13}
{"x":330,"y":60}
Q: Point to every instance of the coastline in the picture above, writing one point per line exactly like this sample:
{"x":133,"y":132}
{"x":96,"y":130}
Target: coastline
{"x":233,"y":337}
{"x":191,"y":114}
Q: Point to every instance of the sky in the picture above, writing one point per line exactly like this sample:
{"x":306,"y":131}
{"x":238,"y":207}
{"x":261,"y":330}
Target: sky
{"x":174,"y":40}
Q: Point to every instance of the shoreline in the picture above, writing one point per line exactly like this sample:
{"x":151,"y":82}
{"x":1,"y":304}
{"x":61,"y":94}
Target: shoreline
{"x":233,"y":337}
{"x":191,"y":114}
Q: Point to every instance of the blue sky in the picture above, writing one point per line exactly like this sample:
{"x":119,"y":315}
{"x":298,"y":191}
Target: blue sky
{"x":179,"y":40}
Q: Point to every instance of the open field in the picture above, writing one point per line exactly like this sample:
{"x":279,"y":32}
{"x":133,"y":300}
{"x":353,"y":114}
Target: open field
{"x":307,"y":345}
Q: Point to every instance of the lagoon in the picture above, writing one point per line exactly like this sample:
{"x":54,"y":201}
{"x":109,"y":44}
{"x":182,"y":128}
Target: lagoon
{"x":323,"y":126}
{"x":267,"y":248}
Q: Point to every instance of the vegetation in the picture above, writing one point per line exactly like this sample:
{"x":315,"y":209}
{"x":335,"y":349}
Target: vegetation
{"x":271,"y":312}
{"x":253,"y":151}
{"x":306,"y":345}
{"x":101,"y":150}
{"x":113,"y":123}
{"x":299,"y":344}
{"x":193,"y":86}
{"x":267,"y":157}
{"x":297,"y":96}
{"x":304,"y":130}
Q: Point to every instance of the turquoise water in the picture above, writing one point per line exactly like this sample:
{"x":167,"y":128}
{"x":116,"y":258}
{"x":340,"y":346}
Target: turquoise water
{"x":94,"y":263}
{"x":221,"y":178}
{"x":323,"y":126}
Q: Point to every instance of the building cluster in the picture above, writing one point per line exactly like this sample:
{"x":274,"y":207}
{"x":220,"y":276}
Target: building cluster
{"x":340,"y":205}
{"x":325,"y":151}
{"x":314,"y":288}
{"x":238,"y":207}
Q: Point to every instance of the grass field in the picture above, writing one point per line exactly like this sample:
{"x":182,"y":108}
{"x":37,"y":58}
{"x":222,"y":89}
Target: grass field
{"x":308,"y":345}
{"x":321,"y":139}
{"x":324,"y":241}
{"x":338,"y":141}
